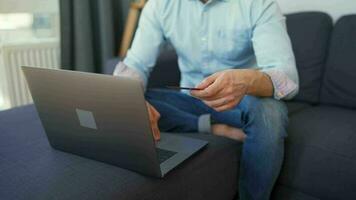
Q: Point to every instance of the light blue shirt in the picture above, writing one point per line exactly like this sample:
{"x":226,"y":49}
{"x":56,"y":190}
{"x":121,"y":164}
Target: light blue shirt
{"x":218,"y":35}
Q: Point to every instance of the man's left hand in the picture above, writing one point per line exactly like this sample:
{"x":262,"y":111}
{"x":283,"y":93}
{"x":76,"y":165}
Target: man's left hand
{"x":224,"y":90}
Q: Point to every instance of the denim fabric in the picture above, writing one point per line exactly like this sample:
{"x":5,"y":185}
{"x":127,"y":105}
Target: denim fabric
{"x":264,"y":121}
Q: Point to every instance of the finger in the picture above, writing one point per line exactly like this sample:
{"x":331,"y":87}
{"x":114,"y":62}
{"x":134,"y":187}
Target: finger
{"x":220,"y":102}
{"x":204,"y":84}
{"x":154,"y":117}
{"x":210,"y":92}
{"x":155,"y":130}
{"x":207,"y":81}
{"x":223,"y":92}
{"x":148,"y":105}
{"x":153,"y":113}
{"x":156,"y":133}
{"x":227,"y":107}
{"x":231,"y":105}
{"x":156,"y":113}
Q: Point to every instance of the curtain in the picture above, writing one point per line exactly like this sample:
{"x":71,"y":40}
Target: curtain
{"x":90,"y":32}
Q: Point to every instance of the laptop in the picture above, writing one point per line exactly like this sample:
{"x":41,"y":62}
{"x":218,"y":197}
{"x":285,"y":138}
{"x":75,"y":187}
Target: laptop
{"x":104,"y":118}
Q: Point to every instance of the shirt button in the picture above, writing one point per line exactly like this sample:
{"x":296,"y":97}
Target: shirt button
{"x":203,"y":39}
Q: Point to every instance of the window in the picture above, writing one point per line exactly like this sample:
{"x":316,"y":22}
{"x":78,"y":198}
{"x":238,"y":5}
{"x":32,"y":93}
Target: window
{"x":29,"y":35}
{"x":25,"y":20}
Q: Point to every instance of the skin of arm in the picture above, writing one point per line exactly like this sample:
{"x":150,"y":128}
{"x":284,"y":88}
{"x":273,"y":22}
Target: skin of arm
{"x":224,"y":90}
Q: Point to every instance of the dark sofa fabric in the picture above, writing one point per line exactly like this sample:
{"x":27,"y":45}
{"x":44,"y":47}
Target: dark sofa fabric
{"x":165,"y":73}
{"x":310,"y":33}
{"x":31,"y":169}
{"x":339,"y":86}
{"x":110,"y":66}
{"x":284,"y":192}
{"x":320,"y":155}
{"x":167,"y":64}
{"x":320,"y":159}
{"x":294,"y":107}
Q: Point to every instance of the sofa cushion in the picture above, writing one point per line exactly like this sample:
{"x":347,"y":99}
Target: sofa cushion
{"x":320,"y":157}
{"x":281,"y":192}
{"x":294,"y":107}
{"x":31,"y":169}
{"x":309,"y":33}
{"x":340,"y":77}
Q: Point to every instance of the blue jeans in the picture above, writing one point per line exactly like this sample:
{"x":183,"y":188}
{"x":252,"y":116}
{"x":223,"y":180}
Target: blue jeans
{"x":264,"y":121}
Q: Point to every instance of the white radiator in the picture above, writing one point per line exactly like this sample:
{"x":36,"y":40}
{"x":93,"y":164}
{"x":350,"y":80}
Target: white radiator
{"x":14,"y":90}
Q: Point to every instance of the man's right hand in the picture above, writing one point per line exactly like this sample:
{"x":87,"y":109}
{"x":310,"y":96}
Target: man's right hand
{"x":154,"y":117}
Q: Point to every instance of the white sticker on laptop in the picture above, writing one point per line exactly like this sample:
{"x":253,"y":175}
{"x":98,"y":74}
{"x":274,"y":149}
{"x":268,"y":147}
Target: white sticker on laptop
{"x":86,"y":119}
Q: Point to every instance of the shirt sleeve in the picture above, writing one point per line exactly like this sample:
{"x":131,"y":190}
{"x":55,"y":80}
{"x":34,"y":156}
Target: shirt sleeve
{"x":124,"y":71}
{"x":273,"y":48}
{"x":144,"y":51}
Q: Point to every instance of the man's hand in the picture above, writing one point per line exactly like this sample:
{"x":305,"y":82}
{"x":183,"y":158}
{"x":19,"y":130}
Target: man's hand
{"x":154,"y":117}
{"x":224,"y":90}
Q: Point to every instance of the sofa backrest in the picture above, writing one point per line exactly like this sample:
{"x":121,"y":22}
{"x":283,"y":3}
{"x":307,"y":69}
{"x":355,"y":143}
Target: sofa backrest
{"x":339,"y":84}
{"x":310,"y":34}
{"x":166,"y":72}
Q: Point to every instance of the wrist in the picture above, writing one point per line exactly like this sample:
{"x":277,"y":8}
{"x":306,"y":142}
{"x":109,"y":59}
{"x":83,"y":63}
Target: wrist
{"x":248,"y":78}
{"x":259,"y":84}
{"x":256,"y":83}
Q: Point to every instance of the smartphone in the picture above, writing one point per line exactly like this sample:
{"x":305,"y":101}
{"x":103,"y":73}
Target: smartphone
{"x":181,"y":88}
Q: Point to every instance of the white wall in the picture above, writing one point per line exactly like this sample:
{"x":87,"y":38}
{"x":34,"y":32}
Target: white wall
{"x":336,"y":8}
{"x":2,"y":85}
{"x":12,"y":6}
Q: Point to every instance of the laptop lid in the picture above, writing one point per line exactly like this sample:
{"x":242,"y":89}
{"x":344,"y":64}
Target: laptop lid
{"x":96,"y":116}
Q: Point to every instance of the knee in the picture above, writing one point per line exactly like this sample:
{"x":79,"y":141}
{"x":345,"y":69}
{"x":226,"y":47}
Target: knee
{"x":274,"y":113}
{"x":270,"y":115}
{"x":274,"y":118}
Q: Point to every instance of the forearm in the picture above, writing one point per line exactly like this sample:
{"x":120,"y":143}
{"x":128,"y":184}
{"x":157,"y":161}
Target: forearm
{"x":124,"y":71}
{"x":258,"y":83}
{"x":271,"y":83}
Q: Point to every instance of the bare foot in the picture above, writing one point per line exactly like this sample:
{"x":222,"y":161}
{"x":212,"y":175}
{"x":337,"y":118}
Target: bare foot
{"x":229,"y":132}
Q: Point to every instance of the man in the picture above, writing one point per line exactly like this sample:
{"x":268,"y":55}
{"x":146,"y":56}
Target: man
{"x":239,"y":54}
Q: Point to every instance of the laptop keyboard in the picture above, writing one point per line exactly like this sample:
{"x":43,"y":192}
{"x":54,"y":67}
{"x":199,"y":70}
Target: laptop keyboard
{"x":164,"y":155}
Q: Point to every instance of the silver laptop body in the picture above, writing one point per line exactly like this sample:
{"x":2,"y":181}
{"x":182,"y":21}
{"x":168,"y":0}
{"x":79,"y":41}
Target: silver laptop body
{"x":104,"y":118}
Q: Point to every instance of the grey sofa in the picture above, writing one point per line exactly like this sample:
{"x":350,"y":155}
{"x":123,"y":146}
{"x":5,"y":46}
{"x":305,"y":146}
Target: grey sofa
{"x":320,"y":158}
